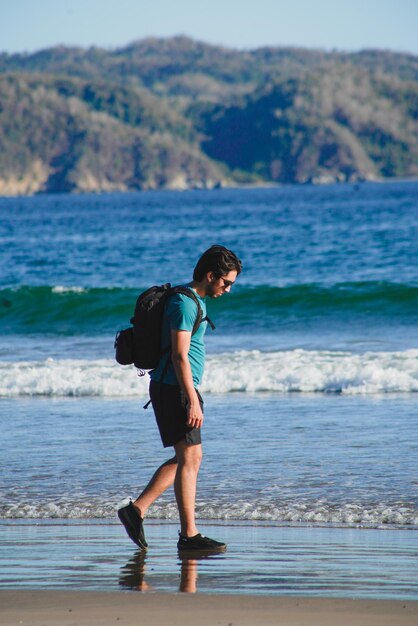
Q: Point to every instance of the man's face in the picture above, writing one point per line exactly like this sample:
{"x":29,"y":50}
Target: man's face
{"x":218,"y":286}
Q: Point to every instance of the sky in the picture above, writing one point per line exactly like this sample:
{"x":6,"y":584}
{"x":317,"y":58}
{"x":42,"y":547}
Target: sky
{"x":30,"y":25}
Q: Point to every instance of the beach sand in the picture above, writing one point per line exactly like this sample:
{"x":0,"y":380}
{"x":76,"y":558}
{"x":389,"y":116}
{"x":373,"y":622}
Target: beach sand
{"x":69,"y":608}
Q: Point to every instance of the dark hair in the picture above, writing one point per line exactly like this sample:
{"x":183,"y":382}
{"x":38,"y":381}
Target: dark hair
{"x":218,"y":260}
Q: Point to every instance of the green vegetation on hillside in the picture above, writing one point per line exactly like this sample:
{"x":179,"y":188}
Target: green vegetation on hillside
{"x":343,"y":125}
{"x":176,"y":113}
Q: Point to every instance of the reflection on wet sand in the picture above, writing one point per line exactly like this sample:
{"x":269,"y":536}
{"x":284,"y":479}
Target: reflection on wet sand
{"x":132,"y":575}
{"x":189,"y":568}
{"x":188,"y":575}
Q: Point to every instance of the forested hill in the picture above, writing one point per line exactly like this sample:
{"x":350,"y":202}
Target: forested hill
{"x":176,"y":113}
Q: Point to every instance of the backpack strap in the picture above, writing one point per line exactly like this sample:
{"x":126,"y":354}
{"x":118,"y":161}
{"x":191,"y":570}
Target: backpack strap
{"x":187,"y":291}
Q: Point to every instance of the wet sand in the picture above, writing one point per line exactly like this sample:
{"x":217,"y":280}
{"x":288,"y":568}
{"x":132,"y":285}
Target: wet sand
{"x":262,"y":559}
{"x":64,"y":572}
{"x":69,"y":608}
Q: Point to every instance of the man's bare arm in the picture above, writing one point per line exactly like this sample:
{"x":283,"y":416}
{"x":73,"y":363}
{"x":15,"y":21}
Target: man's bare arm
{"x":180,"y":345}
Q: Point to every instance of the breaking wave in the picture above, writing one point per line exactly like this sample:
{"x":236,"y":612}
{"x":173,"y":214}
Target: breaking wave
{"x":244,"y":371}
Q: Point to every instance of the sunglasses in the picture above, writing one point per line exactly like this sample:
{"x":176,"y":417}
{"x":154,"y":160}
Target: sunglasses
{"x":226,"y":283}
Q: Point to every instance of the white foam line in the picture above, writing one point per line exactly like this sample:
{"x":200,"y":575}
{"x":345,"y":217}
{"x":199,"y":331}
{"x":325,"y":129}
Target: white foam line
{"x":253,"y":371}
{"x":371,"y":516}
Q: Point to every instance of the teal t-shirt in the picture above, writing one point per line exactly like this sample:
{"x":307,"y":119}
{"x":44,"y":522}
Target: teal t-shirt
{"x":180,"y":314}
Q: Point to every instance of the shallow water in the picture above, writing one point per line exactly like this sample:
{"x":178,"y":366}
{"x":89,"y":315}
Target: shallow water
{"x":278,"y":457}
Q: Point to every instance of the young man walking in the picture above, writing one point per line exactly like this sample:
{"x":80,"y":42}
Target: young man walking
{"x":177,"y":403}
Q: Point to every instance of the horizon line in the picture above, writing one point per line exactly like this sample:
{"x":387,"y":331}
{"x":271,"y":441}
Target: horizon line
{"x":129,"y":44}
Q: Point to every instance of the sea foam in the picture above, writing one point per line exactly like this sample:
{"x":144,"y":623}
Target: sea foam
{"x":320,"y":512}
{"x":247,"y":371}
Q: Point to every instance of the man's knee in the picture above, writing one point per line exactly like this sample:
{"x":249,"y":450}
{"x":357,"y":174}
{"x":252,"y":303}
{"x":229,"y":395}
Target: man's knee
{"x":189,"y":455}
{"x":197,"y":454}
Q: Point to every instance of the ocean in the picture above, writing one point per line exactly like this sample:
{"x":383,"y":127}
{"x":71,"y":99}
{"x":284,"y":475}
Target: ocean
{"x":312,"y":371}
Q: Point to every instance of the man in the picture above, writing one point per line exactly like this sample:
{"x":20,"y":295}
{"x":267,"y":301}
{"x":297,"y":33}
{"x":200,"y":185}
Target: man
{"x":177,"y":403}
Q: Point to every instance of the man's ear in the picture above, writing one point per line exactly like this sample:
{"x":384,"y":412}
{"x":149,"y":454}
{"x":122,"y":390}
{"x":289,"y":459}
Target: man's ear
{"x":210,"y":277}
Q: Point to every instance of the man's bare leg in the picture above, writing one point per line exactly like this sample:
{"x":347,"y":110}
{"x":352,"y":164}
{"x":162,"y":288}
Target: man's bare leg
{"x":189,"y":458}
{"x":160,"y":482}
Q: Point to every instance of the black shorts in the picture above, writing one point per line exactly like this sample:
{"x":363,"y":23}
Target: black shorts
{"x":170,"y":407}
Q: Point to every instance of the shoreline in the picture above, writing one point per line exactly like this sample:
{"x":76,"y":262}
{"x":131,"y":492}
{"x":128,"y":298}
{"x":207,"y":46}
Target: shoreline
{"x":75,"y":608}
{"x":111,"y":520}
{"x":215,"y":187}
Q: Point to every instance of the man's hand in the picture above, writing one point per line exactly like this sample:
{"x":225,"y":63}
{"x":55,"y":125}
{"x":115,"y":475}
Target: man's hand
{"x":194,"y":414}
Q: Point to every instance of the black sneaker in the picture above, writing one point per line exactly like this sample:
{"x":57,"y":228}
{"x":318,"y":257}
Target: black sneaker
{"x":200,"y":543}
{"x":133,"y":523}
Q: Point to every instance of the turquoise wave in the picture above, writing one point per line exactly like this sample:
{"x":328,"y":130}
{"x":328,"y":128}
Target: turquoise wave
{"x":73,"y":311}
